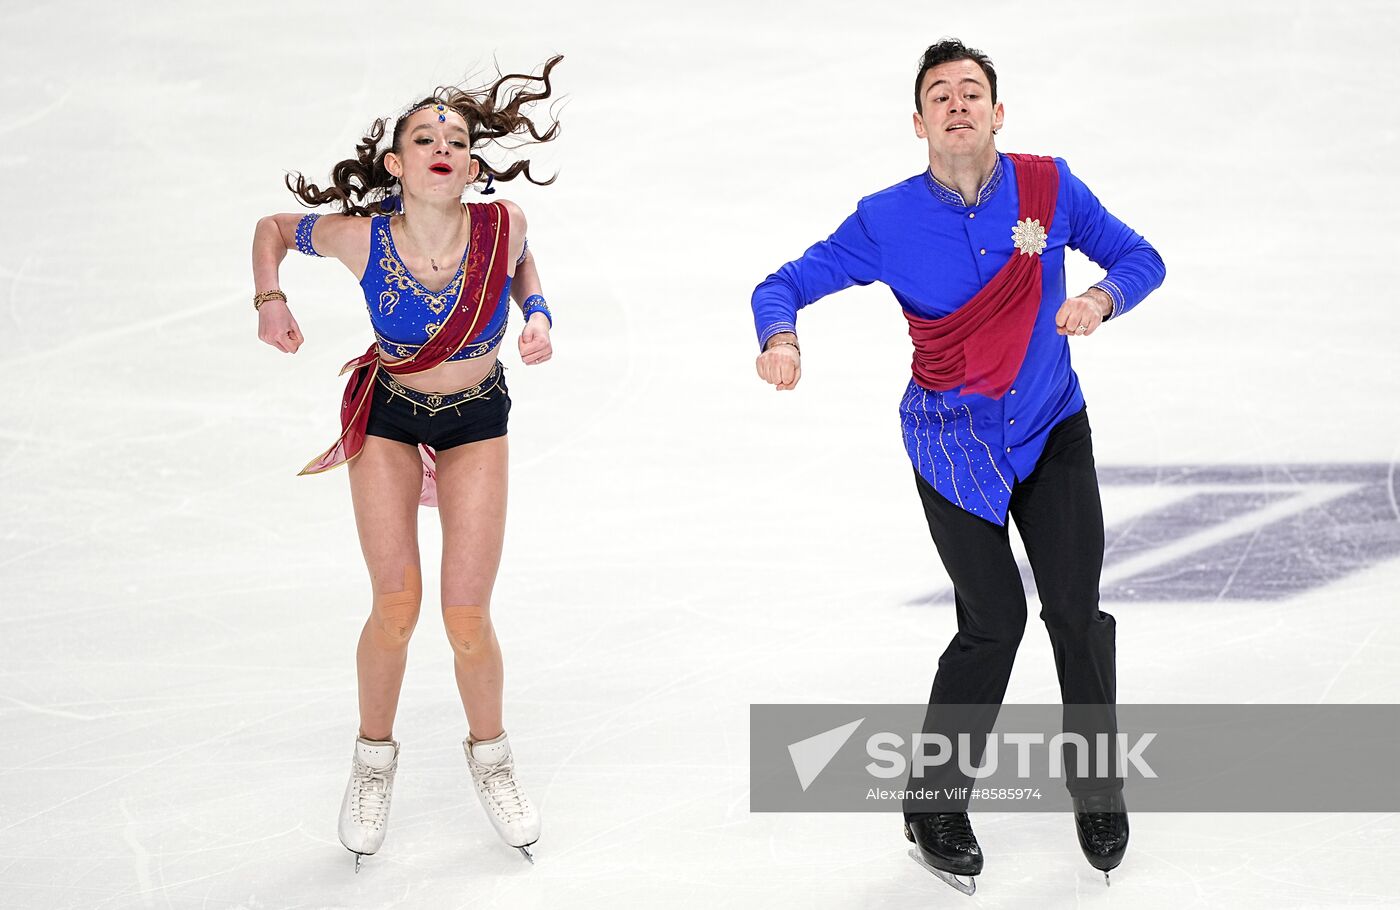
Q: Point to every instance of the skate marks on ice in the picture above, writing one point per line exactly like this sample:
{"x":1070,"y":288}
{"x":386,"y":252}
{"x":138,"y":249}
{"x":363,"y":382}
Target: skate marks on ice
{"x":1243,"y":532}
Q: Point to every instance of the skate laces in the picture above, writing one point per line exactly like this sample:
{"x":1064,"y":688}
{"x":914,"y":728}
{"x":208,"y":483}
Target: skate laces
{"x":498,"y":782}
{"x":955,"y":830}
{"x":1103,"y":827}
{"x":371,"y":800}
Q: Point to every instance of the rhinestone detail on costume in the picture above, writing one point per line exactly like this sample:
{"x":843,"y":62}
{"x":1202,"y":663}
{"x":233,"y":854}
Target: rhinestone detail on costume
{"x":303,"y":235}
{"x":397,"y":274}
{"x":406,"y":315}
{"x":1029,"y":236}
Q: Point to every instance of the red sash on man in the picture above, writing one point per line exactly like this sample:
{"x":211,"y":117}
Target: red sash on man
{"x":980,"y":346}
{"x":484,"y":279}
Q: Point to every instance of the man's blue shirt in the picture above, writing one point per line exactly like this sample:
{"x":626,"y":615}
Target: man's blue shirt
{"x":935,"y":253}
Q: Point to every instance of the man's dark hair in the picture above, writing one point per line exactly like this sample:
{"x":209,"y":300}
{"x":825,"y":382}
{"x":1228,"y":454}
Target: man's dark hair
{"x":946,"y":51}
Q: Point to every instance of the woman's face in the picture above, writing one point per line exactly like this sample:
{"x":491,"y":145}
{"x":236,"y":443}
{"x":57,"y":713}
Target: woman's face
{"x":435,"y":156}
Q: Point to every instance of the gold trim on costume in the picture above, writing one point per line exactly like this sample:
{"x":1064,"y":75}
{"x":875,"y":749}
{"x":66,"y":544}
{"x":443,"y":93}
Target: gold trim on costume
{"x":396,"y":272}
{"x":401,"y":351}
{"x":502,"y":218}
{"x":436,"y":402}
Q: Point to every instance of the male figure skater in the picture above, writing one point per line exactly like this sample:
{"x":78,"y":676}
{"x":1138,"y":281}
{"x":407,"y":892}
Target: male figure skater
{"x":994,"y":421}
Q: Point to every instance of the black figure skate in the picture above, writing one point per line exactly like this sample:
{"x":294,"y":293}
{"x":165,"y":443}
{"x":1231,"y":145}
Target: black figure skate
{"x":945,"y":845}
{"x":1102,"y":822}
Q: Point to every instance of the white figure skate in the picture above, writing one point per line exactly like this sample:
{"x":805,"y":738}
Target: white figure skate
{"x":364,"y":812}
{"x":493,"y":770}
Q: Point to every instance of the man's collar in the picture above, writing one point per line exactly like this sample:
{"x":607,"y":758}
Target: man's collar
{"x":950,"y":196}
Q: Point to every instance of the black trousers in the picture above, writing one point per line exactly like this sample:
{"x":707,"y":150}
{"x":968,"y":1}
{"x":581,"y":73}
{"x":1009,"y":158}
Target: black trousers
{"x":1058,"y":514}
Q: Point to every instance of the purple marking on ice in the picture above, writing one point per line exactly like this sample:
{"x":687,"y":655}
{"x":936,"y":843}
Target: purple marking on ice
{"x":1301,"y":551}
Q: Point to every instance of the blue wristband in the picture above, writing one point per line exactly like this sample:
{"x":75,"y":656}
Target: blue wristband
{"x":535,"y":304}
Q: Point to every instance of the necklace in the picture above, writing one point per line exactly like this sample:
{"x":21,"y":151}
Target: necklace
{"x":431,"y":260}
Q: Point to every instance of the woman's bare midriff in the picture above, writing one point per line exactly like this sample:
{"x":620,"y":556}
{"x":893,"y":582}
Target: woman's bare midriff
{"x":451,"y":376}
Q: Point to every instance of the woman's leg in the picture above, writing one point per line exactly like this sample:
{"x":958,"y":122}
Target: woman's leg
{"x":385,"y":480}
{"x":471,"y":481}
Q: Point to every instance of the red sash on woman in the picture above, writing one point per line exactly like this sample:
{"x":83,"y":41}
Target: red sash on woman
{"x":981,"y":345}
{"x":488,"y":258}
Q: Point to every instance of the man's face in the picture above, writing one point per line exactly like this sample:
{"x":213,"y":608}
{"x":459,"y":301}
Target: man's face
{"x":958,"y":115}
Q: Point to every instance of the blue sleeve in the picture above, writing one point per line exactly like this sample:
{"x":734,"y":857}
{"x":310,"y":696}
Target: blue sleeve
{"x":304,"y":228}
{"x":1134,"y":268}
{"x":849,"y":256}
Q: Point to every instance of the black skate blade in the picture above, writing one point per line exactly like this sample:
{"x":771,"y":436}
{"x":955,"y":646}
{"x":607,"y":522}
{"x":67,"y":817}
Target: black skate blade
{"x":967,"y":884}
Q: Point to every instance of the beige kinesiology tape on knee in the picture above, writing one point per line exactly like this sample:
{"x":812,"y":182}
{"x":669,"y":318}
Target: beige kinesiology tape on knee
{"x":395,"y":614}
{"x":468,"y":629}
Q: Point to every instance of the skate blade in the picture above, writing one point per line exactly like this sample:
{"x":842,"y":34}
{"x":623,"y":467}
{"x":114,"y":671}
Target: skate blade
{"x":525,"y":851}
{"x":967,"y":884}
{"x":358,"y":857}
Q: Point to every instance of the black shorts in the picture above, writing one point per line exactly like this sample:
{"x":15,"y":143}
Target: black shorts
{"x":439,"y":420}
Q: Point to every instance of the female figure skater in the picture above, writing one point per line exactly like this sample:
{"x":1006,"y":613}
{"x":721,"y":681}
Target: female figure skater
{"x":424,"y":413}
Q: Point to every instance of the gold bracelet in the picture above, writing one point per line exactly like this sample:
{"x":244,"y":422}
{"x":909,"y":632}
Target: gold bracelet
{"x":265,"y":296}
{"x":773,"y":344}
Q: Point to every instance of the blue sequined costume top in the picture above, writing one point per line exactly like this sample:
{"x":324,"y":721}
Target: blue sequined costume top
{"x":405,"y":314}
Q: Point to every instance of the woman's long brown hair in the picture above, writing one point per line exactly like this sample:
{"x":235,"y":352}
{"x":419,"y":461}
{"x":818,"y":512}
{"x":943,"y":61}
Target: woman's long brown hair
{"x":493,"y":114}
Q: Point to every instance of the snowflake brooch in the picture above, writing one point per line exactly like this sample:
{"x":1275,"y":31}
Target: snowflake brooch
{"x":1029,"y":237}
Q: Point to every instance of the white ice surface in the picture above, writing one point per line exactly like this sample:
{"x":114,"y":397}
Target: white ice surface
{"x":177,"y":690}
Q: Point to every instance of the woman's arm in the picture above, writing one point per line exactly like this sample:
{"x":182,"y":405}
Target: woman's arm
{"x":535,"y":346}
{"x":275,"y":323}
{"x":338,"y":236}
